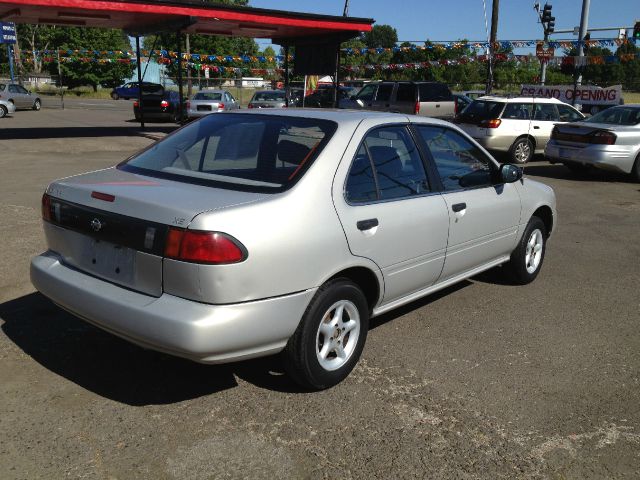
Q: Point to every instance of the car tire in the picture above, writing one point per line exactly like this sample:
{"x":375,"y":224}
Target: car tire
{"x":635,"y":173}
{"x":330,"y":338}
{"x":521,"y":151}
{"x":3,"y":111}
{"x":37,"y":105}
{"x":526,"y":260}
{"x":115,"y":96}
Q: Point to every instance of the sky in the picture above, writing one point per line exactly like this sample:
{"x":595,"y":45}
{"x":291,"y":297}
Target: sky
{"x":419,"y":20}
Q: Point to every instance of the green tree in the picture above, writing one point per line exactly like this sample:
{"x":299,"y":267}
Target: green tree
{"x":384,"y":36}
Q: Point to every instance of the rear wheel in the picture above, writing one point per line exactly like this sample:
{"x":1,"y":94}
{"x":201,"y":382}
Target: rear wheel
{"x":329,"y":340}
{"x":115,"y":96}
{"x":37,"y":105}
{"x":3,"y":111}
{"x":635,"y":173}
{"x":521,"y":151}
{"x":526,"y":259}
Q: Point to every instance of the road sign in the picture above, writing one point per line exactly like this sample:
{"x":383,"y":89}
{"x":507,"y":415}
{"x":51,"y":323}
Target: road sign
{"x":8,"y":32}
{"x":544,"y":51}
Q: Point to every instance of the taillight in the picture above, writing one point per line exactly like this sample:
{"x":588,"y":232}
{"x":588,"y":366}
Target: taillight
{"x":221,"y":105}
{"x":164,"y":104}
{"x":136,"y":104}
{"x":603,"y":137}
{"x":203,"y":247}
{"x":46,"y":207}
{"x":416,"y":108}
{"x":249,"y":106}
{"x":493,"y":123}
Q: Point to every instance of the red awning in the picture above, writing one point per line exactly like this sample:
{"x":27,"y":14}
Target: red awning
{"x":144,"y":16}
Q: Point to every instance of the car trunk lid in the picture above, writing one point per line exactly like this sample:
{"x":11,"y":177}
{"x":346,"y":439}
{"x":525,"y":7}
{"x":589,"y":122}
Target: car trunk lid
{"x":113,"y":224}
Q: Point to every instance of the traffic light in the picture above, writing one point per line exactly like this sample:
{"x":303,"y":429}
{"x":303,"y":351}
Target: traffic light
{"x":636,"y":31}
{"x":548,"y":21}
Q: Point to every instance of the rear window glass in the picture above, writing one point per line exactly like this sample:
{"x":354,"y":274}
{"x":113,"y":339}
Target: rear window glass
{"x":268,"y":97}
{"x":241,"y":152}
{"x":434,"y":92}
{"x":208,"y":96}
{"x":153,"y":89}
{"x":482,"y":110}
{"x":617,"y":116}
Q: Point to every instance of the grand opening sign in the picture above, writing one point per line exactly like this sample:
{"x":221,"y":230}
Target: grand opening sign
{"x":584,"y":94}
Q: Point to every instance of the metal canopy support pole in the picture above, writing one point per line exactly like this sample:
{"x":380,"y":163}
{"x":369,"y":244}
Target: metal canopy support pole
{"x":10,"y":55}
{"x":180,"y":93}
{"x":492,"y":45}
{"x":286,"y":75}
{"x":139,"y":62}
{"x":336,"y":82}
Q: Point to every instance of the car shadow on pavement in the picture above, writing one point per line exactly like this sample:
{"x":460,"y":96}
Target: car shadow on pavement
{"x":36,"y":133}
{"x":116,"y":369}
{"x":561,"y":172}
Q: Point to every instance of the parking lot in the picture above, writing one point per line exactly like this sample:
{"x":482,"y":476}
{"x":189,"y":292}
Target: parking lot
{"x":482,"y":380}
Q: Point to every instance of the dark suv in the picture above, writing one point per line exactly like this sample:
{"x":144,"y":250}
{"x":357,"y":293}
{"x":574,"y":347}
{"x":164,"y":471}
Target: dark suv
{"x":430,"y":99}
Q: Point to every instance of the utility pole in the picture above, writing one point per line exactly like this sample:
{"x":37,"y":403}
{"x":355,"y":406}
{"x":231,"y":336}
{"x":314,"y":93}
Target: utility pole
{"x":584,"y":20}
{"x":345,"y":12}
{"x":492,"y":44}
{"x":189,"y":82}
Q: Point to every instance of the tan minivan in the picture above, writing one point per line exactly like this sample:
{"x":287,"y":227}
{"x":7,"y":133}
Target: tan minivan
{"x":520,"y":126}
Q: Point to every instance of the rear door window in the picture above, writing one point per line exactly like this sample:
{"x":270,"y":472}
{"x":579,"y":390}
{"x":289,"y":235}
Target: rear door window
{"x":368,"y":92}
{"x":386,"y":167}
{"x":518,"y":111}
{"x":545,"y":112}
{"x":479,"y":110}
{"x":384,"y":92}
{"x":568,"y":114}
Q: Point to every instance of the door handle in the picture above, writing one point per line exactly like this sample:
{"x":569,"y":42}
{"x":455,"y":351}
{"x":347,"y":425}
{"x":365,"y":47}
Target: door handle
{"x":458,"y":207}
{"x":535,"y":127}
{"x":367,"y":224}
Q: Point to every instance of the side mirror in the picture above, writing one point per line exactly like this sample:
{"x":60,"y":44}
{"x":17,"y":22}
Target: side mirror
{"x":510,"y":173}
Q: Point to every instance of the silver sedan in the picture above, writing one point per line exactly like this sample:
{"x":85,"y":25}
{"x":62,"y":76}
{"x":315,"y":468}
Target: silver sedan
{"x":208,"y":101}
{"x":609,"y":140}
{"x":253,"y":233}
{"x":6,"y":108}
{"x":19,"y":96}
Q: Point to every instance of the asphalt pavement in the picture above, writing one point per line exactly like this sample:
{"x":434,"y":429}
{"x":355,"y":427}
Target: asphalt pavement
{"x":483,"y":380}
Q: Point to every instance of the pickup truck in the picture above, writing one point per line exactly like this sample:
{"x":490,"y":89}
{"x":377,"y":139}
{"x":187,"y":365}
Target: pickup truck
{"x":430,"y":99}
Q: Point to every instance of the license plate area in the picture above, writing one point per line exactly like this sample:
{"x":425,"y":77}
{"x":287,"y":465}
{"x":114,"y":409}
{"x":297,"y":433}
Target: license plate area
{"x":109,"y":261}
{"x":204,"y":108}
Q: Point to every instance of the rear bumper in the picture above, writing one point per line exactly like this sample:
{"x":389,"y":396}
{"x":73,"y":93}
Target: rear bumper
{"x":618,"y":158}
{"x":497,"y":143}
{"x":197,"y":331}
{"x":200,"y":113}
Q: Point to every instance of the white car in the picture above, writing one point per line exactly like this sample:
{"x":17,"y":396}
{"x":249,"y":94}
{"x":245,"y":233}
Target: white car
{"x":519,"y":126}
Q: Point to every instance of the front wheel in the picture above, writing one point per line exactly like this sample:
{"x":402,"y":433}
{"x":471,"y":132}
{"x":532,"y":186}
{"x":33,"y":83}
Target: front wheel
{"x":3,"y":111}
{"x":635,"y":173}
{"x":521,"y":151}
{"x":37,"y":105}
{"x":115,"y":96}
{"x":526,"y":260}
{"x":330,"y":338}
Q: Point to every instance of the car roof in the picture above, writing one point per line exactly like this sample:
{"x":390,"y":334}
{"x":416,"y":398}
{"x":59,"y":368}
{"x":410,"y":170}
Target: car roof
{"x":211,"y":90}
{"x":495,"y":98}
{"x":346,"y":115}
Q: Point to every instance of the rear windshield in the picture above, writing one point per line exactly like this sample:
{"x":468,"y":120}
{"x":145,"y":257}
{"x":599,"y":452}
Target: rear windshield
{"x":152,"y":88}
{"x":208,"y":96}
{"x":262,"y":153}
{"x":482,"y":110}
{"x":617,"y":116}
{"x":268,"y":97}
